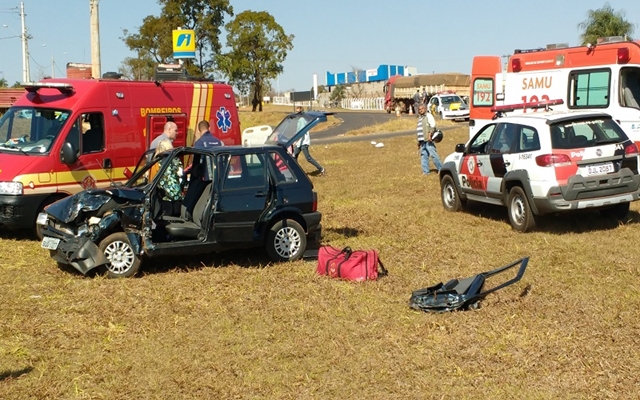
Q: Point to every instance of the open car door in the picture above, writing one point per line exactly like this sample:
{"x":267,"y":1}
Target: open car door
{"x":142,"y":162}
{"x":295,"y":126}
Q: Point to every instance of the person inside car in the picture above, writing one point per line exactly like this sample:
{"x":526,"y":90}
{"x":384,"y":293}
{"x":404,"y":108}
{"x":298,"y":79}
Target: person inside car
{"x":170,"y":182}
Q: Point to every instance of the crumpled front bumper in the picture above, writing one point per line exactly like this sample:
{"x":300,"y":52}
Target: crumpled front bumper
{"x":79,"y":252}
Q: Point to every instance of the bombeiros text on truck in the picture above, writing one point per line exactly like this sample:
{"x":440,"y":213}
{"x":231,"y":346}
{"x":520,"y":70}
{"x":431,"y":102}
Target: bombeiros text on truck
{"x":602,"y":76}
{"x":66,"y":135}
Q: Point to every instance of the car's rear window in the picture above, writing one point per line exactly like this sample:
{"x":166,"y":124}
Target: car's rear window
{"x":586,"y":133}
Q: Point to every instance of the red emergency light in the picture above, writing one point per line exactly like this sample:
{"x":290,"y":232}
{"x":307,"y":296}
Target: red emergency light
{"x":516,"y":66}
{"x":623,"y":55}
{"x":521,"y":106}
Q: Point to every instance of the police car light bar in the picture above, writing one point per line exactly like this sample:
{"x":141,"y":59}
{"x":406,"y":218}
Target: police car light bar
{"x":64,"y":88}
{"x":521,"y":106}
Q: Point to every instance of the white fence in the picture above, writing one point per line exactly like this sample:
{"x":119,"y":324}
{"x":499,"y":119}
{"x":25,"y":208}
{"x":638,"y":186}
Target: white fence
{"x":352,"y":103}
{"x":363,"y":103}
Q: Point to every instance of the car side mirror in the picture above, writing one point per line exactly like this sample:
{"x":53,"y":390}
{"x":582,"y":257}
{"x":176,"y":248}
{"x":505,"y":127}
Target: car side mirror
{"x":499,"y":96}
{"x":460,"y":148}
{"x":68,"y":155}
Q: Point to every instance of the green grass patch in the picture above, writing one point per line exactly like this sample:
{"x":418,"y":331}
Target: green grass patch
{"x":234,"y":325}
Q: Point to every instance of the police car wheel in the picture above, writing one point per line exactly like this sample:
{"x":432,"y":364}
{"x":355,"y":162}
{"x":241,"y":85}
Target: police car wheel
{"x":520,"y":215}
{"x":123,"y":262}
{"x":286,"y":241}
{"x":619,"y":211}
{"x":450,"y":196}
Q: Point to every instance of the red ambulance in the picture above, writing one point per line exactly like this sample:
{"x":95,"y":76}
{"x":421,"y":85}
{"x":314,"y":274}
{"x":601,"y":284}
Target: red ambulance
{"x":66,"y":135}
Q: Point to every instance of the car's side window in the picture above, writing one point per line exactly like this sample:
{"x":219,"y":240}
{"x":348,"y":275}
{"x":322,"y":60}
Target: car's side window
{"x":92,"y":132}
{"x":529,"y":139}
{"x":245,"y":171}
{"x":504,"y":139}
{"x":479,"y":144}
{"x":282,"y":171}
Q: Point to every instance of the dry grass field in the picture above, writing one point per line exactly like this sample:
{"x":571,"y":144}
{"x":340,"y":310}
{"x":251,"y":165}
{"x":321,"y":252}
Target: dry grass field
{"x":234,"y":326}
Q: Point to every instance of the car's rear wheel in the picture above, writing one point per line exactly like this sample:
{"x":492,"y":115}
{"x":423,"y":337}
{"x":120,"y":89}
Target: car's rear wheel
{"x":450,"y":198}
{"x":520,"y":215}
{"x":123,"y":261}
{"x":619,"y":211}
{"x":286,"y":241}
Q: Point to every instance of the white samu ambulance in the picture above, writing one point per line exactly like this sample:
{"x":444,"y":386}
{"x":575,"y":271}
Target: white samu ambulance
{"x":603,"y":76}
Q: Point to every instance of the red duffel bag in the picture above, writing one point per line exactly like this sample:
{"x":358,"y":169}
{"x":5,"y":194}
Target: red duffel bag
{"x":355,"y":265}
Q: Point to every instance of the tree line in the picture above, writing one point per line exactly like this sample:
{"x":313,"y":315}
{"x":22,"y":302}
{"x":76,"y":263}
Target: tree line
{"x":256,"y":45}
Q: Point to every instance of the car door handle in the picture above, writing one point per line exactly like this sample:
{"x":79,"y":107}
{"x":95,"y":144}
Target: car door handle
{"x":507,"y":163}
{"x":479,"y":163}
{"x":261,"y":194}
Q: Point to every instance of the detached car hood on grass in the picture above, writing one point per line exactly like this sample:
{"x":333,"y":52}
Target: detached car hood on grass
{"x":70,"y":208}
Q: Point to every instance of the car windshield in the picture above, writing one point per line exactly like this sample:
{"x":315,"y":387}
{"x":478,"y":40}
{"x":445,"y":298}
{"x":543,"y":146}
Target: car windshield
{"x":451,"y":99}
{"x":587,"y":132}
{"x":31,"y":130}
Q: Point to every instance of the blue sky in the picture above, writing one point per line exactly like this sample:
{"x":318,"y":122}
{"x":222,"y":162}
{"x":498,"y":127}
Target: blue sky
{"x":330,"y":35}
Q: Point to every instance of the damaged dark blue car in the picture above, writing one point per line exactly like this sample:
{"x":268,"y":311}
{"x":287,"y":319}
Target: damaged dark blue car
{"x":233,"y":197}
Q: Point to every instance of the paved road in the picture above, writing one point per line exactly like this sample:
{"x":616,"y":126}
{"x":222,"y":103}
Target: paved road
{"x":356,"y":120}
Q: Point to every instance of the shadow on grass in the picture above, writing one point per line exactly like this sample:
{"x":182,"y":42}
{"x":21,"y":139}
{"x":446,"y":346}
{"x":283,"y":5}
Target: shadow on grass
{"x":20,"y":235}
{"x":244,"y":258}
{"x":5,"y":375}
{"x":345,"y":231}
{"x":255,"y":257}
{"x":578,"y":221}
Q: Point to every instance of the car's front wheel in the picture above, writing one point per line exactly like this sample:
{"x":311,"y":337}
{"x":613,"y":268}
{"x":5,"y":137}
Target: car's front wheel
{"x":450,"y":198}
{"x":286,"y":241}
{"x":520,"y":214}
{"x":123,"y":261}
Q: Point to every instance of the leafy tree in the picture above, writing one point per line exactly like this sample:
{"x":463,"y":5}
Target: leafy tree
{"x":16,"y":85}
{"x":258,"y":47}
{"x":604,"y":22}
{"x":338,"y":93}
{"x":4,"y":83}
{"x":154,"y":41}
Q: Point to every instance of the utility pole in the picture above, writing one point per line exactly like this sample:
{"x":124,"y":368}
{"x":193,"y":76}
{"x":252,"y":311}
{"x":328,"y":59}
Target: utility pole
{"x":95,"y":39}
{"x":26,"y":73}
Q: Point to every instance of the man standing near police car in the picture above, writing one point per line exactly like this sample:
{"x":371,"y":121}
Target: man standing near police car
{"x":426,"y":146}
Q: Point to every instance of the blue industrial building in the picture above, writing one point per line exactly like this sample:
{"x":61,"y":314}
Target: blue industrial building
{"x":382,"y":73}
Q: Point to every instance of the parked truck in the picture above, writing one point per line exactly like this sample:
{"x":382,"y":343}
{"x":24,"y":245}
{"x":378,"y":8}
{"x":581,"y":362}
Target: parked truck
{"x":399,"y":90}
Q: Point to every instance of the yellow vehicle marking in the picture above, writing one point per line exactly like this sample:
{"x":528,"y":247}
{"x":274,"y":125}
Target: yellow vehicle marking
{"x":207,"y":108}
{"x":193,"y":119}
{"x":71,"y":181}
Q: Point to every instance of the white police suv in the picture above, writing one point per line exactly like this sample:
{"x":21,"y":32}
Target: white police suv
{"x":544,"y":162}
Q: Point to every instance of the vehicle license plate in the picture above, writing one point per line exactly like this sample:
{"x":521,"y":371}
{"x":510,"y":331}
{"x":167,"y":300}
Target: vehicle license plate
{"x":599,"y":169}
{"x":50,"y":243}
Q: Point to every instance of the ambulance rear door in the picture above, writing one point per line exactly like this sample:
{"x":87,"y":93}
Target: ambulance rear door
{"x":155,"y":127}
{"x":485,"y":84}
